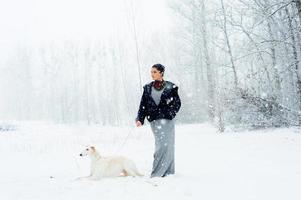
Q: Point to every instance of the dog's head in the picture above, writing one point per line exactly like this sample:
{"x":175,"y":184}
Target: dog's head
{"x":88,"y":151}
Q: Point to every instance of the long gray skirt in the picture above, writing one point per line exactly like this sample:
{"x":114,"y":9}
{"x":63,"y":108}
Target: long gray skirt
{"x":164,"y":156}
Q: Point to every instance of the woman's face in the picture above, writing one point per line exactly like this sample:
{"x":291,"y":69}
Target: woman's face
{"x":156,"y":74}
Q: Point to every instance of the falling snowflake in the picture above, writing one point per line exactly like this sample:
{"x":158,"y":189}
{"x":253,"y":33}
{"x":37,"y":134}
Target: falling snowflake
{"x":163,"y":121}
{"x":169,"y":100}
{"x":189,"y":95}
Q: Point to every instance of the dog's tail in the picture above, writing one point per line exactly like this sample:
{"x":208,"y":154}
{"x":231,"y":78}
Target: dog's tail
{"x":131,"y":169}
{"x":138,"y":173}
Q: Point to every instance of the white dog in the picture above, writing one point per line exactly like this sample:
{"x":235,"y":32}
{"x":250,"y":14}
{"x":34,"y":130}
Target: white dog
{"x":108,"y":166}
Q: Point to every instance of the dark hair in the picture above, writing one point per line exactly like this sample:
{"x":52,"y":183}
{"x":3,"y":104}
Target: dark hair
{"x":159,"y":67}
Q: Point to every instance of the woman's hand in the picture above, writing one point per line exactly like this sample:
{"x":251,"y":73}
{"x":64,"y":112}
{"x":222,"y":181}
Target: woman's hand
{"x":138,"y":124}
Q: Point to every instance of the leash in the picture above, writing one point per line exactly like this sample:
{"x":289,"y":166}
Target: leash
{"x":132,"y":129}
{"x":76,"y":163}
{"x":125,"y":140}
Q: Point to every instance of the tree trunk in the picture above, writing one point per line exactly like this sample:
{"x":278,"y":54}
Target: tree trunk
{"x":295,"y":57}
{"x":225,"y":30}
{"x":298,"y":6}
{"x":276,"y":77}
{"x":211,"y":85}
{"x":274,"y":62}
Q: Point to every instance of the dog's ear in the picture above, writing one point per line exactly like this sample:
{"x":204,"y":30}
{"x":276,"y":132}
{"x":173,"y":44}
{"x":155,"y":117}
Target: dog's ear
{"x":93,"y":148}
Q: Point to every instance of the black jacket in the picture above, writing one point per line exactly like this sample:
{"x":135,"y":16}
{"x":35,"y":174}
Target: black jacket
{"x":169,"y":105}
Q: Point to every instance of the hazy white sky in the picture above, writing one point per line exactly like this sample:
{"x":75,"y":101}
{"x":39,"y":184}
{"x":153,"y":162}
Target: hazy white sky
{"x":34,"y":21}
{"x":41,"y":20}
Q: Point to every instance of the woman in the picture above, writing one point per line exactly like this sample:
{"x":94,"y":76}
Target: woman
{"x":159,"y":104}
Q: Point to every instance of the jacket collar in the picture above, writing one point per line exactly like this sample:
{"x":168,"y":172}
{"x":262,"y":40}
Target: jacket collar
{"x":149,"y":89}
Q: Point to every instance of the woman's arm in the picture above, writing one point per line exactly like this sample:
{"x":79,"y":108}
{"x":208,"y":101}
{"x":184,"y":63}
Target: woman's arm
{"x":142,"y":108}
{"x":175,"y":103}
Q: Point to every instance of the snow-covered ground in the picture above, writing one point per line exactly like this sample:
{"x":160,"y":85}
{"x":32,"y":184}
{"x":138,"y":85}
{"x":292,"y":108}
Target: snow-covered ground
{"x":40,"y":161}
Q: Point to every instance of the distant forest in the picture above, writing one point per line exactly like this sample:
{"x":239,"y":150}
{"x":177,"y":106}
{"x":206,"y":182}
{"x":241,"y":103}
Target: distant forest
{"x":236,"y":62}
